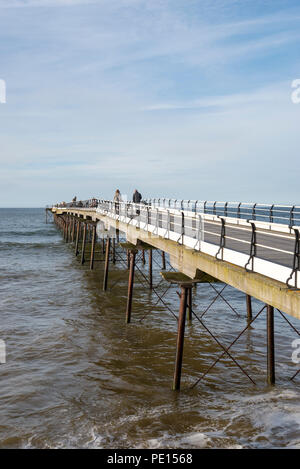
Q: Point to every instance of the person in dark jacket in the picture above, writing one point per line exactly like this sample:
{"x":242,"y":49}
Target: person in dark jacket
{"x":137,"y":197}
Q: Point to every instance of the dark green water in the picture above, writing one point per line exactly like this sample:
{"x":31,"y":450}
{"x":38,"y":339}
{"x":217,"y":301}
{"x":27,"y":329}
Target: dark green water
{"x":77,"y":376}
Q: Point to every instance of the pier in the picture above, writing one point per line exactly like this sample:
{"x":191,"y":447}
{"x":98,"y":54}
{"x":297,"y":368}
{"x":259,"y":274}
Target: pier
{"x":251,"y":247}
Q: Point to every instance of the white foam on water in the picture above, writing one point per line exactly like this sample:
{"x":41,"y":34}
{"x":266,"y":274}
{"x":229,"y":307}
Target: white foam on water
{"x":190,"y":440}
{"x":197,"y":439}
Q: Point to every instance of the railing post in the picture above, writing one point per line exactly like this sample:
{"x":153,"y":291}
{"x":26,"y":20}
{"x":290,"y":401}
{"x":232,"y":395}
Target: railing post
{"x":168,"y":224}
{"x":271,"y":213}
{"x":292,"y":216}
{"x":252,"y":246}
{"x":225,"y":209}
{"x":222,"y":239}
{"x":253,"y":212}
{"x":296,"y":259}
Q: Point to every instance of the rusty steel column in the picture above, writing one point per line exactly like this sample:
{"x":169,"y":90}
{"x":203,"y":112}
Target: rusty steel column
{"x":114,"y":250}
{"x":66,"y":230}
{"x":249,"y":308}
{"x":106,"y":266}
{"x":163,"y":258}
{"x":83,"y":244}
{"x":93,"y":248}
{"x":270,"y":345}
{"x":189,"y":304}
{"x":77,"y":237}
{"x":69,"y":228}
{"x":73,"y":229}
{"x":150,"y":270}
{"x":180,"y":339}
{"x":143,"y":257}
{"x":130,"y":286}
{"x":128,"y":259}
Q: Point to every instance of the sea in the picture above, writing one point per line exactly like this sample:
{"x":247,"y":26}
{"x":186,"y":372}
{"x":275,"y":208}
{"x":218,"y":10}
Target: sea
{"x":74,"y":375}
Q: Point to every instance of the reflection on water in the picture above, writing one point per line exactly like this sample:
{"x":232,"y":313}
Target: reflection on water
{"x":77,"y":376}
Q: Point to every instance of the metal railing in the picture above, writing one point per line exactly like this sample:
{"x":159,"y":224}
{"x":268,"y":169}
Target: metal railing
{"x":89,"y":203}
{"x":273,"y":213}
{"x":258,"y":246}
{"x":256,"y":243}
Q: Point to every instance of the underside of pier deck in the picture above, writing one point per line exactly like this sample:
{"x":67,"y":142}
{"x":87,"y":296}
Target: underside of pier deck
{"x":192,"y":263}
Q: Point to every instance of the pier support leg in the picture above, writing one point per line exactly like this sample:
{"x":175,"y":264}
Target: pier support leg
{"x":67,"y":229}
{"x":77,"y":238}
{"x":73,"y":230}
{"x":143,"y":257}
{"x":163,"y":259}
{"x":150,"y":270}
{"x":132,"y":255}
{"x":180,"y":338}
{"x":249,"y":308}
{"x":270,"y":345}
{"x":189,"y":304}
{"x":128,"y":258}
{"x":114,"y":250}
{"x":106,"y":266}
{"x":93,"y":248}
{"x":83,"y":244}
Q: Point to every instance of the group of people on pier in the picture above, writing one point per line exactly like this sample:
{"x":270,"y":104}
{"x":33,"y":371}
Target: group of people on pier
{"x":136,"y":198}
{"x":92,"y":203}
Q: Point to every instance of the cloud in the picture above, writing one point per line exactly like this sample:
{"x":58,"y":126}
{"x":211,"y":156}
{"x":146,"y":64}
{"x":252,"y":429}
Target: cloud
{"x":42,"y":3}
{"x":147,"y":93}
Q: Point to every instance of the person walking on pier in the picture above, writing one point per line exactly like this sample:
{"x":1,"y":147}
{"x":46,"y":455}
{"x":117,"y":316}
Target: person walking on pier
{"x":136,"y":198}
{"x":117,"y":200}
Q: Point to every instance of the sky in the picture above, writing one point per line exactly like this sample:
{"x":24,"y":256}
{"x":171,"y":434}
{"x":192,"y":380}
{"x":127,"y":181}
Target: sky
{"x":188,"y":99}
